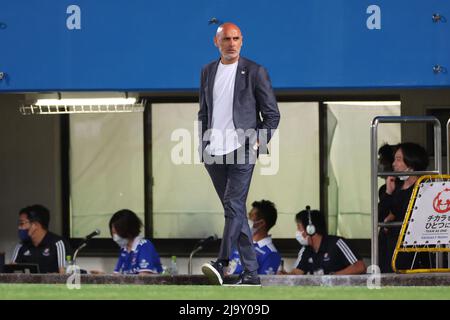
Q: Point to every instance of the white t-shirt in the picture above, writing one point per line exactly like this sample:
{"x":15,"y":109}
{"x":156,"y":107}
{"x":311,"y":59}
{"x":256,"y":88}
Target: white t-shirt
{"x":224,"y":138}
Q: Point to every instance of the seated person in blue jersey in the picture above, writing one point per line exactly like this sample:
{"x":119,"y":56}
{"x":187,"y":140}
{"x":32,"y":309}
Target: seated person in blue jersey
{"x":137,"y":255}
{"x":322,"y":253}
{"x":37,"y":244}
{"x":261,"y":218}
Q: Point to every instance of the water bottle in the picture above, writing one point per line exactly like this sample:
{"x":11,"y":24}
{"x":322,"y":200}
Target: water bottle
{"x":69,"y":263}
{"x":166,"y":270}
{"x":173,"y":266}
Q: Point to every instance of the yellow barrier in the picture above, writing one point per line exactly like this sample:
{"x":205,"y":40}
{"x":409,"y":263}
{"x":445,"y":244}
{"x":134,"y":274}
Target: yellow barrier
{"x":399,"y":248}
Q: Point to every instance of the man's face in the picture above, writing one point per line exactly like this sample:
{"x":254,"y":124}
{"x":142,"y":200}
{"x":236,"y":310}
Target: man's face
{"x":24,"y":223}
{"x":229,"y":43}
{"x":302,"y":231}
{"x":257,"y":223}
{"x":252,"y":215}
{"x":113,"y":230}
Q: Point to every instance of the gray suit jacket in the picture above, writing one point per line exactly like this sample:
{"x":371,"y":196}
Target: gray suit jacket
{"x":253,"y":99}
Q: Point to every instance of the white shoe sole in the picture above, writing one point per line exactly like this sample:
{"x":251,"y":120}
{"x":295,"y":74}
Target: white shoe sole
{"x":212,"y":274}
{"x":242,"y":285}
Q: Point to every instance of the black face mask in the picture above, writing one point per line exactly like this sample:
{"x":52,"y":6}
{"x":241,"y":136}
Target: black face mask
{"x":23,"y":235}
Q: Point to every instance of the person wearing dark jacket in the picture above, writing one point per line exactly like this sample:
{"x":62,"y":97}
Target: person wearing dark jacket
{"x":394,"y":204}
{"x":37,"y":244}
{"x":238,"y":115}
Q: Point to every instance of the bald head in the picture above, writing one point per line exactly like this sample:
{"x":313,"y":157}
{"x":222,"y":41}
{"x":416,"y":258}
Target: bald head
{"x":226,"y":27}
{"x":228,"y":40}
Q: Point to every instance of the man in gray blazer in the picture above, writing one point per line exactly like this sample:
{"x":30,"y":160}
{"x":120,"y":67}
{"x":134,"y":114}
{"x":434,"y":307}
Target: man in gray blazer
{"x":235,"y":93}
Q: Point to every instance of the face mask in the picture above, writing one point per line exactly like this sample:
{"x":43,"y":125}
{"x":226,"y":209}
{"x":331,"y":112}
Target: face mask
{"x":121,"y":242}
{"x":23,"y":235}
{"x":251,"y":224}
{"x":404,"y":178}
{"x":302,"y":240}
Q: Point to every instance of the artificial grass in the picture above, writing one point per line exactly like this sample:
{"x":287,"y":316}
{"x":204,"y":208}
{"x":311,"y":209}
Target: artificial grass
{"x":191,"y":292}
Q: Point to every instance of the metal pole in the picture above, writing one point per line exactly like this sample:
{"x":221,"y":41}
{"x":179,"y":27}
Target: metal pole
{"x":375,"y":174}
{"x":448,"y":169}
{"x":74,"y":259}
{"x":438,"y":166}
{"x":409,"y":173}
{"x":190,"y":258}
{"x":437,"y":146}
{"x":374,"y":184}
{"x":448,"y":147}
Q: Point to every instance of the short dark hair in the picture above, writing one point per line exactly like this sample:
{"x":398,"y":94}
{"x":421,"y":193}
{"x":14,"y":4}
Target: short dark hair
{"x":415,"y":156}
{"x":386,"y":156}
{"x":266,"y":211}
{"x":37,"y":213}
{"x":127,"y":224}
{"x":317,"y":219}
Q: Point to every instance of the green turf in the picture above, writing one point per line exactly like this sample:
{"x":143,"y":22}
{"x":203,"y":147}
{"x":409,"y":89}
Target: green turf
{"x":49,"y":291}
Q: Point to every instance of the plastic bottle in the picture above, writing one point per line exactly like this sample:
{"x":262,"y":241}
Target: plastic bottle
{"x":173,"y":266}
{"x":69,"y":262}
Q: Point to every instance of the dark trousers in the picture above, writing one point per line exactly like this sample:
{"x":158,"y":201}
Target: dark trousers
{"x":387,"y":243}
{"x":232,"y":182}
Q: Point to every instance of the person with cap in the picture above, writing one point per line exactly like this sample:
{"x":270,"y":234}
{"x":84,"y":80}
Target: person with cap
{"x":322,"y":253}
{"x":37,"y":244}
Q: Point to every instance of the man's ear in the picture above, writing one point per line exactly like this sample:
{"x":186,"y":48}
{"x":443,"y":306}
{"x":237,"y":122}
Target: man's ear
{"x":215,"y":42}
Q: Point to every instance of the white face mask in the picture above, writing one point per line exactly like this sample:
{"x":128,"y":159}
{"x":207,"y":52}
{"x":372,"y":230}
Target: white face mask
{"x":251,"y":224}
{"x":404,"y":178}
{"x":302,"y":240}
{"x":121,"y":242}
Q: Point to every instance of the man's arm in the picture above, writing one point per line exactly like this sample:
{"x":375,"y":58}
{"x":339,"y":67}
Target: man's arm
{"x":119,"y":264}
{"x":267,"y":103}
{"x":294,"y":271}
{"x":300,"y":264}
{"x":61,"y":256}
{"x":202,"y":113}
{"x":270,"y":264}
{"x":16,"y":253}
{"x":348,"y":257}
{"x":357,"y":268}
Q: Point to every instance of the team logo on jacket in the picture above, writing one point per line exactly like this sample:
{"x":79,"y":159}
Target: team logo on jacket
{"x":143,"y":264}
{"x":27,"y":253}
{"x":326,"y":257}
{"x":46,"y":252}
